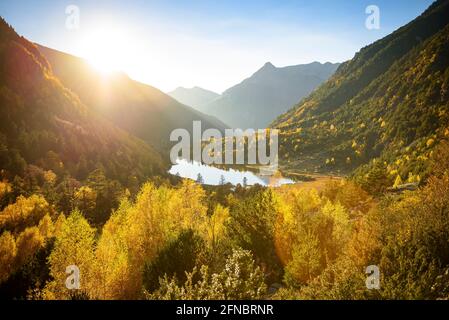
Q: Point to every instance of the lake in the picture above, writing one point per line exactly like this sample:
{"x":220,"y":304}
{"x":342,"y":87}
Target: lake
{"x":212,"y":175}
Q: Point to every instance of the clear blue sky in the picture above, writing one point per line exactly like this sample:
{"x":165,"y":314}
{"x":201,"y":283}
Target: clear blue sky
{"x":212,"y":44}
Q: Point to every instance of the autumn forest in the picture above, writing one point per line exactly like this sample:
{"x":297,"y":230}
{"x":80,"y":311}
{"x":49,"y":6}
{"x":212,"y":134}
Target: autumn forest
{"x":84,"y":183}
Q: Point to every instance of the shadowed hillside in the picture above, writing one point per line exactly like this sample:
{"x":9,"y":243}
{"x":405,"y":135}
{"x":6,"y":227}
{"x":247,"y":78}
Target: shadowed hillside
{"x":140,"y":109}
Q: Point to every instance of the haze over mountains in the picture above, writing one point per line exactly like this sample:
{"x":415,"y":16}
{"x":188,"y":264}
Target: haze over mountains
{"x":195,"y":97}
{"x":142,"y":110}
{"x":259,"y":99}
{"x":388,"y":106}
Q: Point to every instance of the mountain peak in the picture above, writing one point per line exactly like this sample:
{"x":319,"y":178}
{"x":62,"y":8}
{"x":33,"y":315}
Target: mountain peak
{"x":268,"y":65}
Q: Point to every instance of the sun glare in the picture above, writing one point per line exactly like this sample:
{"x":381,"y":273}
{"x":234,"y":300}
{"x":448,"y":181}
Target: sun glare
{"x":106,"y":49}
{"x":111,"y":46}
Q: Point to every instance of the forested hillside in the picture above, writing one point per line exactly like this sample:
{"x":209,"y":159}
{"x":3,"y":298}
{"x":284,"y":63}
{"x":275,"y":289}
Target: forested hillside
{"x":49,"y":140}
{"x":185,"y":241}
{"x":387,"y":107}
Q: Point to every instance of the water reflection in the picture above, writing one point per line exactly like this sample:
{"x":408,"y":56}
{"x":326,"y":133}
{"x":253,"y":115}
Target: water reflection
{"x":213,"y":176}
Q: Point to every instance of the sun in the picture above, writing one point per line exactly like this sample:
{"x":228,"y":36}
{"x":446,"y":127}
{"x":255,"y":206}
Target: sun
{"x":111,"y":47}
{"x":106,"y":49}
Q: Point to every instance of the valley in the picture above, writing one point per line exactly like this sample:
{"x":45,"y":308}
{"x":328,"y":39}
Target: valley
{"x":112,"y":189}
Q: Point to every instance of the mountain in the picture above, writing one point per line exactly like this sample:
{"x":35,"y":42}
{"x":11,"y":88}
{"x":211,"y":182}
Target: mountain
{"x":140,"y":109}
{"x":269,"y":92}
{"x":195,"y":97}
{"x":385,"y":109}
{"x":44,"y":124}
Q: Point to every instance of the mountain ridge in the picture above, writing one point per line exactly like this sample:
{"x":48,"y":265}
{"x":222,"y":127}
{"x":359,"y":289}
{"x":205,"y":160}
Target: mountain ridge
{"x":382,"y":111}
{"x":46,"y":125}
{"x":140,"y":109}
{"x":260,"y":98}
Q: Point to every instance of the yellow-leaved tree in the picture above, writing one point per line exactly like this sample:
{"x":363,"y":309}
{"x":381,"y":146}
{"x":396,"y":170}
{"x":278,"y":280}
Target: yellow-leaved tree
{"x":214,"y":229}
{"x":74,"y":246}
{"x":25,"y":212}
{"x":26,"y":225}
{"x":5,"y":189}
{"x":8,"y":253}
{"x":136,"y":233}
{"x":27,"y":243}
